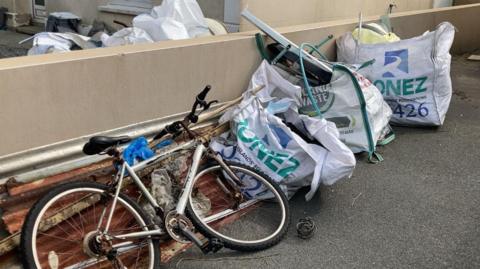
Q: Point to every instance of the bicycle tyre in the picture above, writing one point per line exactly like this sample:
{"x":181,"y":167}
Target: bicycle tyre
{"x":26,"y":241}
{"x":238,"y":245}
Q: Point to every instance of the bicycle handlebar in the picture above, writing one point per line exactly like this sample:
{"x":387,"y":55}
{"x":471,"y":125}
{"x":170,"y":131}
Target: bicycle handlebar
{"x":177,"y":126}
{"x":201,"y":96}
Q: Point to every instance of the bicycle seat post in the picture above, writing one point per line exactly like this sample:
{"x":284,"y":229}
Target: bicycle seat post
{"x":113,"y":151}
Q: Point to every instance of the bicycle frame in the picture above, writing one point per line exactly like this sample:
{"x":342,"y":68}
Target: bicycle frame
{"x":200,"y":150}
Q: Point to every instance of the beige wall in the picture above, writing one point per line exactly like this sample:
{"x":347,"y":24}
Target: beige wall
{"x":275,"y":12}
{"x":18,"y":6}
{"x":8,"y":4}
{"x":50,"y":98}
{"x":212,"y":8}
{"x":88,"y":9}
{"x":287,"y":12}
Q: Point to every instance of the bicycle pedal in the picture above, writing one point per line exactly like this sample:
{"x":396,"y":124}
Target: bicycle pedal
{"x":216,"y":245}
{"x":212,"y":245}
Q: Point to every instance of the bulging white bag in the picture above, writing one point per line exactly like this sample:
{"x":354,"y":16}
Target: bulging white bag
{"x":161,"y":28}
{"x":412,"y":74}
{"x":261,"y":139}
{"x":173,"y":19}
{"x":130,"y":35}
{"x":46,"y":42}
{"x":349,"y":100}
{"x":188,"y":12}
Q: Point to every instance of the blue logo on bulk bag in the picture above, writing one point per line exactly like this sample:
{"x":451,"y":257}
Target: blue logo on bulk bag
{"x":283,"y":137}
{"x":394,"y":61}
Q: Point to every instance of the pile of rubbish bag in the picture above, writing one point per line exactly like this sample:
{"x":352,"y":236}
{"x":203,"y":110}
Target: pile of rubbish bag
{"x":303,"y":128}
{"x":172,"y":20}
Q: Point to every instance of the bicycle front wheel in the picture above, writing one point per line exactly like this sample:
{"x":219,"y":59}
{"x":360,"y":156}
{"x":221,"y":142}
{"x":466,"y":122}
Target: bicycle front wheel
{"x":62,"y":230}
{"x":250,"y":216}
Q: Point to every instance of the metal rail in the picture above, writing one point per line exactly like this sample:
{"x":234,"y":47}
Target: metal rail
{"x":269,"y":31}
{"x":37,"y":163}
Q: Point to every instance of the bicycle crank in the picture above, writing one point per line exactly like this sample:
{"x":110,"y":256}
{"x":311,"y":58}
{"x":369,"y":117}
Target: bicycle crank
{"x":176,"y":224}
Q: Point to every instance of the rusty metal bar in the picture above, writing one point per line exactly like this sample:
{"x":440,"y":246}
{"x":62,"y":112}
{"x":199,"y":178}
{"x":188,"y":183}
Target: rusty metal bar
{"x":64,"y":156}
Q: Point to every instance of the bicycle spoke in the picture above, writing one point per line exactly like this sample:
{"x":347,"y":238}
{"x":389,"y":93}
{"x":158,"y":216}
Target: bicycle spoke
{"x":252,"y":212}
{"x":59,"y":237}
{"x":70,"y":233}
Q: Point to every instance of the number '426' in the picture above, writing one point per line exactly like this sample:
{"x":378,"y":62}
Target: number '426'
{"x":411,"y":110}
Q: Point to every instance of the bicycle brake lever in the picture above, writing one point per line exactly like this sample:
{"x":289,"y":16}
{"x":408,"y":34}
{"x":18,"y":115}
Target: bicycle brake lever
{"x":207,"y":106}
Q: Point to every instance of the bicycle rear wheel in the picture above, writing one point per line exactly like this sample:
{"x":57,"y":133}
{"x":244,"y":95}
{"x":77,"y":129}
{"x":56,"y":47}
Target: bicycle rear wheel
{"x":60,"y":231}
{"x":251,"y":217}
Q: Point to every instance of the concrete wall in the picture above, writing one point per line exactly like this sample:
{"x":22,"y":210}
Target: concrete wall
{"x":50,"y":98}
{"x":8,"y":4}
{"x":18,"y":6}
{"x":88,"y":9}
{"x":275,"y":12}
{"x":286,"y":12}
{"x":213,"y":8}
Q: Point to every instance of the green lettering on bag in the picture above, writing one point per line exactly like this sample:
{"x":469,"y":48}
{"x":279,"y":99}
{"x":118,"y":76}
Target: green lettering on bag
{"x":422,"y":81}
{"x":407,"y":85}
{"x":269,"y":162}
{"x":396,"y":90}
{"x":288,"y":170}
{"x":269,"y":157}
{"x":261,"y":149}
{"x":401,"y":87}
{"x":380,"y":85}
{"x":242,"y":132}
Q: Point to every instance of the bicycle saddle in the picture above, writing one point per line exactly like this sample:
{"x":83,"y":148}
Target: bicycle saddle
{"x":98,"y":144}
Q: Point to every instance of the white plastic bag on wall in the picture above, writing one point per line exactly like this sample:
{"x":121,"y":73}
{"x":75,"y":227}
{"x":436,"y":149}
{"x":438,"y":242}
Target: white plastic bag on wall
{"x":161,"y":28}
{"x":173,"y":19}
{"x":126,"y":36}
{"x":188,"y":12}
{"x":412,"y":74}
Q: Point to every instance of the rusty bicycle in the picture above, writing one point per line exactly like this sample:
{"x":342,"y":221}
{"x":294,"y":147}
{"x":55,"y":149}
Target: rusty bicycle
{"x":94,"y":225}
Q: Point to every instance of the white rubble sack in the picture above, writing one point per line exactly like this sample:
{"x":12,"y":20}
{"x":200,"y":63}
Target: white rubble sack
{"x":349,"y":100}
{"x":126,"y":36}
{"x":412,"y":74}
{"x":47,"y":42}
{"x":261,"y":139}
{"x":173,"y":19}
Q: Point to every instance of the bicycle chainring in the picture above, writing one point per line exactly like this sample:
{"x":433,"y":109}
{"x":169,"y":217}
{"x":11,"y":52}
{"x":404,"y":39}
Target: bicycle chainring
{"x":173,"y":220}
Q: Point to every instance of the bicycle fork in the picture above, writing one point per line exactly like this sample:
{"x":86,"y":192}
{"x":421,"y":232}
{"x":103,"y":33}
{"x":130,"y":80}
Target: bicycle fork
{"x":211,"y":244}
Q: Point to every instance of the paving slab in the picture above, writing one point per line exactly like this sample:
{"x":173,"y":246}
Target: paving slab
{"x":420,"y":208}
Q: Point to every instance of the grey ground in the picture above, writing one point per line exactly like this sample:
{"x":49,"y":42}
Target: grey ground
{"x":9,"y":46}
{"x":420,"y":208}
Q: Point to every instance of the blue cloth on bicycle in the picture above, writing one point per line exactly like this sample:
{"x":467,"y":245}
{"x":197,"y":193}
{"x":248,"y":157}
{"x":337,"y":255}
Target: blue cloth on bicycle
{"x":164,"y":143}
{"x":138,"y":150}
